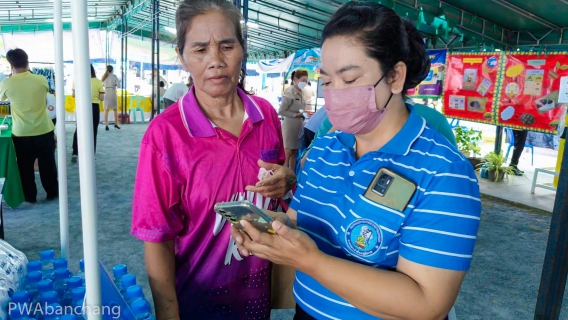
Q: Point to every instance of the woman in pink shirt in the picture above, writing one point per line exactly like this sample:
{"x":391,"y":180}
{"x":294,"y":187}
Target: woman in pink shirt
{"x":208,"y":147}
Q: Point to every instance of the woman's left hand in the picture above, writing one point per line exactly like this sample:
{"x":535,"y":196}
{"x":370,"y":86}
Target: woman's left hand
{"x":288,"y":247}
{"x":276,"y":186}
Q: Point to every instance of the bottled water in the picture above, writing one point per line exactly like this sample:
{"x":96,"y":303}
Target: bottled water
{"x":134,"y":293}
{"x":60,"y":263}
{"x":141,"y":310}
{"x":81,"y":273}
{"x":127,"y":281}
{"x":119,"y":271}
{"x":20,"y":305}
{"x":72,"y":283}
{"x":78,"y":309}
{"x":78,"y":294}
{"x":60,"y":284}
{"x":42,"y":287}
{"x":47,"y":257}
{"x":33,"y":279}
{"x":49,"y":297}
{"x":34,"y":265}
{"x":52,"y":311}
{"x":68,"y":317}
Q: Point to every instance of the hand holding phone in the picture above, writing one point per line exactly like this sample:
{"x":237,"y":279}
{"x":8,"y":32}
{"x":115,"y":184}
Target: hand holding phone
{"x":236,"y":211}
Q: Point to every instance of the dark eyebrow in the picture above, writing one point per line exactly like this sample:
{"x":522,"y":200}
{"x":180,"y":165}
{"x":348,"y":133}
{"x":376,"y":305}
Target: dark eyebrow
{"x":342,"y":70}
{"x":204,"y":44}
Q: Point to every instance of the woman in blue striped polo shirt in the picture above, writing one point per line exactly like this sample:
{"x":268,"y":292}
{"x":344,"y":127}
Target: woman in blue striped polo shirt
{"x":363,"y":251}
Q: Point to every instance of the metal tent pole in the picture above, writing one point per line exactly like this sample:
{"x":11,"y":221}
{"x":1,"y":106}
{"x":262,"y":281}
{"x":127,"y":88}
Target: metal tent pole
{"x":158,"y":51}
{"x":123,"y":101}
{"x":555,"y":266}
{"x":87,"y":177}
{"x":245,"y":36}
{"x":60,"y":129}
{"x":126,"y":66}
{"x":157,"y":76}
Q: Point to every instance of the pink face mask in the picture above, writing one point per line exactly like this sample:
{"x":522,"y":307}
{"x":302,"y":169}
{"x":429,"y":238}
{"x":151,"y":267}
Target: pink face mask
{"x":354,"y":110}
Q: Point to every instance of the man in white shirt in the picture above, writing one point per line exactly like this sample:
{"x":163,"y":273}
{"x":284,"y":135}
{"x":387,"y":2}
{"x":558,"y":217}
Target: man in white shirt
{"x":175,"y":92}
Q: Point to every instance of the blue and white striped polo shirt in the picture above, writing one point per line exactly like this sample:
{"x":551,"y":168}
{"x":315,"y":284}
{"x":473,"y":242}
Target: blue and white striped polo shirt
{"x":438,"y":228}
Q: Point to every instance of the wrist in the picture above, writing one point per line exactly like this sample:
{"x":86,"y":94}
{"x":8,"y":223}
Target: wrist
{"x":313,"y":262}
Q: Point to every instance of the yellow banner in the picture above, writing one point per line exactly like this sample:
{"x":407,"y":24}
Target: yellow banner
{"x":472,"y":60}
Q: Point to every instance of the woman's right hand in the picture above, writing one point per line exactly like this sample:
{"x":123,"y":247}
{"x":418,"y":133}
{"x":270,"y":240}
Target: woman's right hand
{"x":299,"y":115}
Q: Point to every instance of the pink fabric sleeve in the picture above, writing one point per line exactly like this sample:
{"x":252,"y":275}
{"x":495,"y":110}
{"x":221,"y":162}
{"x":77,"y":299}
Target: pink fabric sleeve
{"x":155,"y":208}
{"x":278,"y":128}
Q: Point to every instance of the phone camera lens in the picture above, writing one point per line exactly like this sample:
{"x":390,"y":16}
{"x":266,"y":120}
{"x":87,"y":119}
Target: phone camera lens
{"x":222,"y":211}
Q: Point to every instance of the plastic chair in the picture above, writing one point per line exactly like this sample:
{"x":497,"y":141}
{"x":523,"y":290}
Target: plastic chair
{"x":454,"y":123}
{"x":510,"y":138}
{"x":136,"y":105}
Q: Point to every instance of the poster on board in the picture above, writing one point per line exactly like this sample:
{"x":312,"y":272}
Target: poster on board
{"x":432,"y":86}
{"x":471,"y":85}
{"x":531,"y":93}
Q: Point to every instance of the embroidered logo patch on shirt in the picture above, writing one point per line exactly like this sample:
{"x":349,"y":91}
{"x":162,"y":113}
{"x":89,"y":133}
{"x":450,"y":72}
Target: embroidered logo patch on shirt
{"x":364,"y":237}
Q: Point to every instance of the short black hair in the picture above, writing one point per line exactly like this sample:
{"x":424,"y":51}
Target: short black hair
{"x":17,"y":58}
{"x":385,"y":37}
{"x":162,"y":84}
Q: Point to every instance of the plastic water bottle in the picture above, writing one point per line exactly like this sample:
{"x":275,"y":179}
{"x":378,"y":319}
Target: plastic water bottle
{"x":47,"y":257}
{"x":127,"y":281}
{"x":141,"y":310}
{"x":134,"y":293}
{"x":32,"y":281}
{"x":81,"y":273}
{"x":78,"y":309}
{"x":119,"y":271}
{"x":43,"y":286}
{"x":60,"y":263}
{"x":20,"y":306}
{"x":77,"y":294}
{"x":68,"y":317}
{"x":49,"y":297}
{"x":60,"y":284}
{"x":72,"y":283}
{"x":34,"y":265}
{"x":52,"y":311}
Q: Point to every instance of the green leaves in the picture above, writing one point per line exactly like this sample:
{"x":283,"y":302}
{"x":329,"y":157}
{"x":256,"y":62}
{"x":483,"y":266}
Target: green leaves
{"x":468,"y":140}
{"x":563,"y":67}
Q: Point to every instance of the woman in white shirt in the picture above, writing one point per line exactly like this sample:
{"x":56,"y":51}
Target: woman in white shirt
{"x":110,"y":82}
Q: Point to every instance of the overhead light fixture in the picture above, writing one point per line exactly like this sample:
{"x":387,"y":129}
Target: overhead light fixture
{"x":498,"y":50}
{"x":171,"y":30}
{"x":91,"y":18}
{"x":526,"y":13}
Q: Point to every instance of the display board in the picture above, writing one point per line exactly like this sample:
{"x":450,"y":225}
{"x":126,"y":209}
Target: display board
{"x":529,"y":95}
{"x":471,"y":84}
{"x":432,"y":86}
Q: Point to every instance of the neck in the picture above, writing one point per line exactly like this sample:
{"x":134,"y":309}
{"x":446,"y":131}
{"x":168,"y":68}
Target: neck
{"x":395,"y":118}
{"x":220,"y":108}
{"x":21,"y":70}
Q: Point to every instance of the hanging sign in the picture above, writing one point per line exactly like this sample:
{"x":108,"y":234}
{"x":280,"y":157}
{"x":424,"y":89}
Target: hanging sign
{"x":309,"y":60}
{"x":471,"y":84}
{"x":432,"y":86}
{"x":533,"y":91}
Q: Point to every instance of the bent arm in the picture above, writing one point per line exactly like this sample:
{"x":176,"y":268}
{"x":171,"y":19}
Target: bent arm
{"x":414,"y":291}
{"x":160,"y":266}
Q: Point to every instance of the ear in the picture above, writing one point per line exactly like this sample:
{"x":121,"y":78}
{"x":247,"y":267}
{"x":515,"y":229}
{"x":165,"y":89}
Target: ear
{"x":398,"y":77}
{"x":180,"y":58}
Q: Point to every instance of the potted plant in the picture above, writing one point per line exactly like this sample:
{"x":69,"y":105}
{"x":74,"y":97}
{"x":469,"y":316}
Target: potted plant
{"x":496,"y":168}
{"x":468,"y":144}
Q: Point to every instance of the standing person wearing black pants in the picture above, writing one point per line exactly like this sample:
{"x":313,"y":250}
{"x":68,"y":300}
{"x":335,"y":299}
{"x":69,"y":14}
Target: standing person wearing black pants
{"x":97,"y":94}
{"x":519,"y":146}
{"x":32,"y":129}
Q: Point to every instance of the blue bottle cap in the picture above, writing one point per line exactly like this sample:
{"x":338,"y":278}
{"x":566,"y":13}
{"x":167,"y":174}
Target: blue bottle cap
{"x":60,"y":263}
{"x":74,"y":282}
{"x":68,"y":317}
{"x":119,"y":271}
{"x":21,"y":297}
{"x":49,"y":297}
{"x":82,"y":265}
{"x":18,"y":312}
{"x":134,"y":292}
{"x":47,"y":255}
{"x":128,"y":280}
{"x":140,"y":307}
{"x":78,"y":293}
{"x":45,"y":285}
{"x":62,"y":274}
{"x":34,"y":277}
{"x":53,"y":311}
{"x":34,"y":265}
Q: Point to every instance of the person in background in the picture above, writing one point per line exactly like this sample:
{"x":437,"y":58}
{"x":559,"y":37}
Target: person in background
{"x":284,"y":87}
{"x":110,"y":82}
{"x":174,"y":92}
{"x":520,"y":140}
{"x":312,"y":125}
{"x":362,"y":250}
{"x":97,"y":94}
{"x":50,"y":106}
{"x":202,"y":150}
{"x":309,"y":96}
{"x":32,"y":129}
{"x":292,"y":103}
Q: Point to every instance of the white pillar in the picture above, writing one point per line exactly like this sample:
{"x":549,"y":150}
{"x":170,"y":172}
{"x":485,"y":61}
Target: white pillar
{"x":87,"y":177}
{"x":60,"y":129}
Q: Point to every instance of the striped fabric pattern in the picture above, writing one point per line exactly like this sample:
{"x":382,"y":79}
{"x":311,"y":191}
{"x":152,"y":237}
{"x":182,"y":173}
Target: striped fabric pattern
{"x":438,"y":228}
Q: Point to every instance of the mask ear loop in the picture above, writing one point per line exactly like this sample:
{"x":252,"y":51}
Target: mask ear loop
{"x":376,"y":84}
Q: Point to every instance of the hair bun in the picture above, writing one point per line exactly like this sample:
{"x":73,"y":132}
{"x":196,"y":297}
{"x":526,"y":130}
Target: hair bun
{"x":418,"y":64}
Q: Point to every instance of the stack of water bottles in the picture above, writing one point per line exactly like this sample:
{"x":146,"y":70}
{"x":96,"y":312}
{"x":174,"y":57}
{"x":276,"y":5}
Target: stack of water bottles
{"x":53,"y":293}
